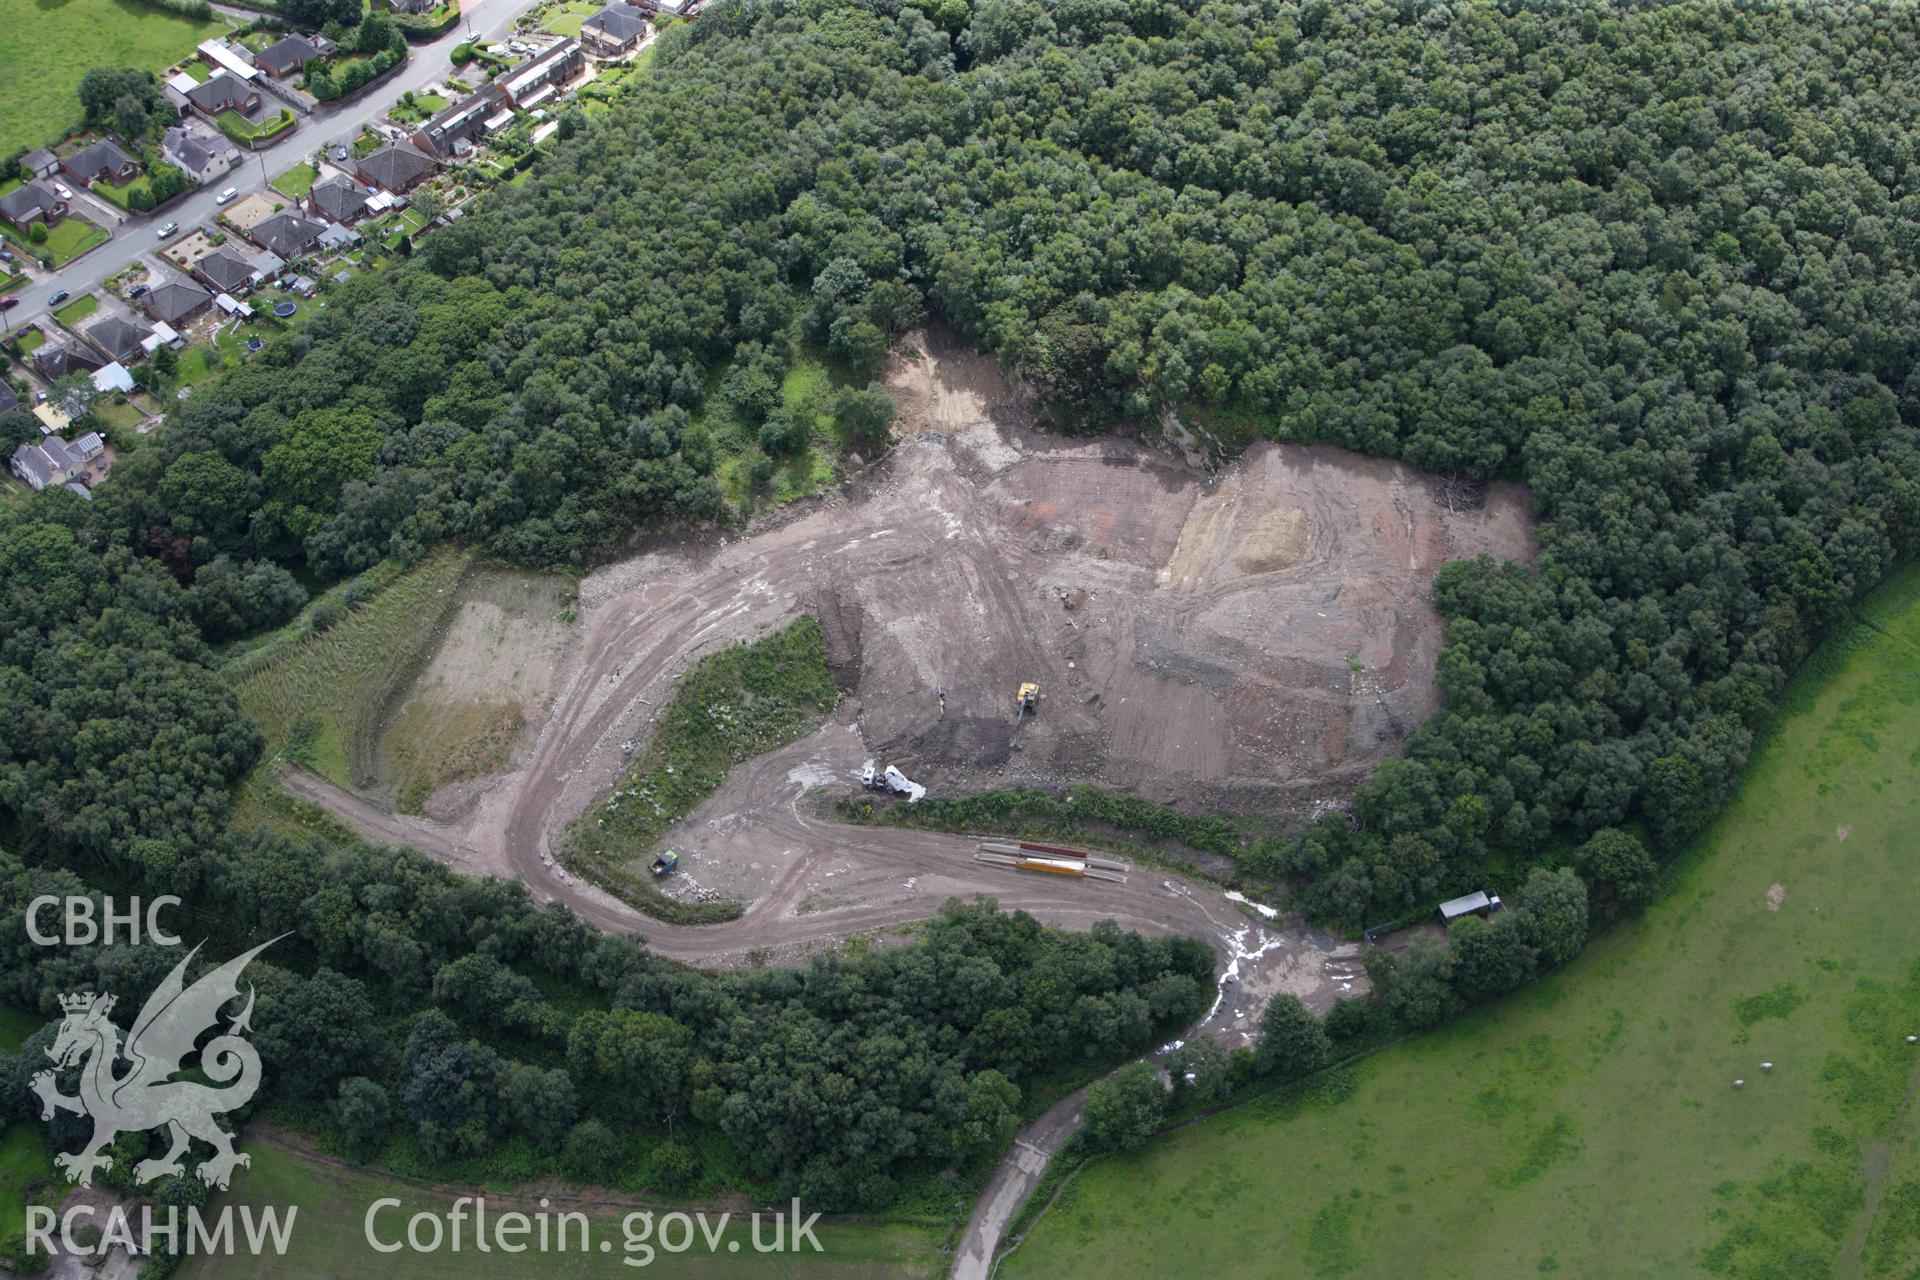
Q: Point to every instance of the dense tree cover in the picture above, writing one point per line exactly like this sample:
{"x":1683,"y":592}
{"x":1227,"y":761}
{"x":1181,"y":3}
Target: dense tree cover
{"x":829,"y":1078}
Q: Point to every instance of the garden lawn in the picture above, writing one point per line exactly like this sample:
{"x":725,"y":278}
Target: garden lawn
{"x":296,"y":182}
{"x":1589,"y":1126}
{"x":45,"y":49}
{"x":79,"y":309}
{"x":567,"y":19}
{"x":329,"y":1238}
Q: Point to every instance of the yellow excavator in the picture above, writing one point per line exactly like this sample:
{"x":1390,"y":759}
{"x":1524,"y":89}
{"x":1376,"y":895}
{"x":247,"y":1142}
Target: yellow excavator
{"x":1026,"y":700}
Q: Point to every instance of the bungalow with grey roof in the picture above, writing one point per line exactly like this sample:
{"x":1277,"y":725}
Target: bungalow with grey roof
{"x":287,"y":234}
{"x":614,"y":31}
{"x":104,"y":161}
{"x":32,"y":202}
{"x":176,"y":300}
{"x":395,"y":167}
{"x":119,"y":339}
{"x":225,"y":270}
{"x":288,"y":55}
{"x":39,"y":163}
{"x":224,"y":92}
{"x":338,"y":199}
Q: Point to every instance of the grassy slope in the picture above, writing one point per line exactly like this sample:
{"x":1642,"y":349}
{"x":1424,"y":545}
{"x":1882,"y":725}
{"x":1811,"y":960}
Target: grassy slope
{"x":328,"y":1238}
{"x":1588,"y":1126}
{"x":47,"y":48}
{"x":329,"y":690}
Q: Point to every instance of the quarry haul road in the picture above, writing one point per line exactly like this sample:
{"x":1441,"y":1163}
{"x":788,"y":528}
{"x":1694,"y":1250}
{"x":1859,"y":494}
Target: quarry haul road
{"x":1256,"y":958}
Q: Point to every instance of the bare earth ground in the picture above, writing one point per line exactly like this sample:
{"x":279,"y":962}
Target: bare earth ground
{"x":1256,"y":640}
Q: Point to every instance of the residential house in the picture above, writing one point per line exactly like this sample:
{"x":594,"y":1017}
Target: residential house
{"x":336,"y":199}
{"x":287,"y":234}
{"x":201,"y":158}
{"x":32,"y":202}
{"x":614,"y":31}
{"x":104,"y":161}
{"x":395,"y":167}
{"x":234,"y":60}
{"x":411,"y":6}
{"x":39,"y":163}
{"x":119,"y":339}
{"x":56,"y":360}
{"x":176,"y":300}
{"x":225,"y":271}
{"x":9,"y":398}
{"x":288,"y":56}
{"x":52,"y":461}
{"x":541,"y":78}
{"x":454,"y":130}
{"x":223,"y":93}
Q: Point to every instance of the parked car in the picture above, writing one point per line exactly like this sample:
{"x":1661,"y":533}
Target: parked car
{"x":138,"y":291}
{"x":60,"y":189}
{"x":5,"y":256}
{"x":9,"y":302}
{"x":228,"y":196}
{"x":167,"y":230}
{"x":58,"y":298}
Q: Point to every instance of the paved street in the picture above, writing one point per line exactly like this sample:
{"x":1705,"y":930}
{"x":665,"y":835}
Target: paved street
{"x":487,"y":19}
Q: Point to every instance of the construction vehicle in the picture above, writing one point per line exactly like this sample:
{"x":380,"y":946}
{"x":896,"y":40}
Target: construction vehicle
{"x":665,"y":863}
{"x":891,"y":779}
{"x":1025,"y":700}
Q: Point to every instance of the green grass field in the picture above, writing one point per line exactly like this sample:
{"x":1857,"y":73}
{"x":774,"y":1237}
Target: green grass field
{"x":320,"y":697}
{"x":567,"y":19}
{"x":79,"y":309}
{"x":49,"y":45}
{"x":297,"y":181}
{"x":1588,"y":1126}
{"x":329,"y":1238}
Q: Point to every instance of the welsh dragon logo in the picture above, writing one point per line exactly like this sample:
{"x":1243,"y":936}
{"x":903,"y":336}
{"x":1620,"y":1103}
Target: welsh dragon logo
{"x":145,"y":1096}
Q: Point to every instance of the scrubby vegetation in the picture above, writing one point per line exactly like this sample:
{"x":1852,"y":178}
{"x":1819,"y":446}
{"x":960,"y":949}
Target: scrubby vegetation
{"x":729,"y":707}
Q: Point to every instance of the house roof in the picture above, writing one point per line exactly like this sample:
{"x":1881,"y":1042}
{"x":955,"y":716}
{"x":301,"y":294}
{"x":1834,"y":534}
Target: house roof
{"x":188,"y":147}
{"x":175,"y":299}
{"x":58,"y":359}
{"x":396,"y":166}
{"x":338,"y":199}
{"x":9,"y":398}
{"x":536,"y":70}
{"x":74,"y":486}
{"x":116,"y":337}
{"x":224,"y":55}
{"x":38,"y":159}
{"x":225,"y":268}
{"x":30,"y":459}
{"x":619,"y":21}
{"x":287,"y":233}
{"x":28,"y":199}
{"x":1465,"y":905}
{"x":287,"y":53}
{"x":102,"y":157}
{"x":220,"y":92}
